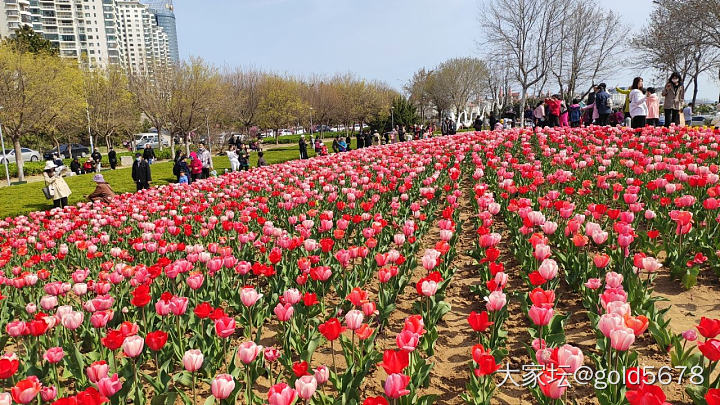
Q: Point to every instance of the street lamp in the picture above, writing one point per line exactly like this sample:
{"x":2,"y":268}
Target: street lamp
{"x":5,"y":159}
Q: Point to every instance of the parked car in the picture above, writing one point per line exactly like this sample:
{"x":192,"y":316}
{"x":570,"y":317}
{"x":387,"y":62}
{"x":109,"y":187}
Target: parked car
{"x":150,"y":138}
{"x":322,"y":128}
{"x":697,"y":121}
{"x":284,"y":132}
{"x":65,"y":150}
{"x":28,"y":155}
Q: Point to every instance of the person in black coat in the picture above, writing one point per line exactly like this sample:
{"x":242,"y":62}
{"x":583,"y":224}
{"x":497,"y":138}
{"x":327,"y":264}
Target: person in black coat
{"x":368,"y":139}
{"x":360,"y":140}
{"x":75,"y":166}
{"x":148,"y":154}
{"x":141,"y":173}
{"x":303,"y":147}
{"x":181,"y":166}
{"x":112,"y":158}
{"x":477,"y":125}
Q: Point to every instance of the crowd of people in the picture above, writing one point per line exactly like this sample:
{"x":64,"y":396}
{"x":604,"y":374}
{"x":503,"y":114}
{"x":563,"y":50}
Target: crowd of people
{"x":642,"y":107}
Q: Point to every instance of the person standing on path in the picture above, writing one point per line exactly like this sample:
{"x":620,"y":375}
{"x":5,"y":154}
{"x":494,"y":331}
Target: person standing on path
{"x":638,"y":107}
{"x":206,"y":160}
{"x":195,"y":167}
{"x":603,"y":104}
{"x":688,"y":113}
{"x":303,"y":147}
{"x":141,"y":172}
{"x":53,"y":176}
{"x":674,"y":94}
{"x":112,"y":158}
{"x":233,"y":158}
{"x":149,"y":154}
{"x":653,"y":105}
{"x":554,"y":105}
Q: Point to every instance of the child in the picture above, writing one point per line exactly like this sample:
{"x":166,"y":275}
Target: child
{"x":183,"y":179}
{"x":195,"y":167}
{"x":653,"y":106}
{"x":261,"y":160}
{"x":575,"y":113}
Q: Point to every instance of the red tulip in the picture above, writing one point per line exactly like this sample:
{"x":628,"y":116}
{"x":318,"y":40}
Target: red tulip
{"x":710,"y":349}
{"x":331,"y":329}
{"x":375,"y":401}
{"x":140,"y":296}
{"x":8,"y":366}
{"x":646,"y":395}
{"x":113,"y":339}
{"x":300,"y":368}
{"x":708,"y":327}
{"x":394,"y":361}
{"x":25,"y":391}
{"x":713,"y":396}
{"x":156,"y":340}
{"x":479,"y":321}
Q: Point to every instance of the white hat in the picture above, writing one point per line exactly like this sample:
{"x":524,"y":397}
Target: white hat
{"x":49,"y":165}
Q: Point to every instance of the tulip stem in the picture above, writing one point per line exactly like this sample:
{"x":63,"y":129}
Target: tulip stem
{"x":249,"y":385}
{"x":194,"y":388}
{"x":138,"y":386}
{"x":57,"y":381}
{"x":332,"y":347}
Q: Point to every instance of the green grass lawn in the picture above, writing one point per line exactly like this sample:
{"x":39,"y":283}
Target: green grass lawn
{"x":23,"y":198}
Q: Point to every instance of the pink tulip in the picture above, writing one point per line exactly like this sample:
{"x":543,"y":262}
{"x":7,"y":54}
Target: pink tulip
{"x":292,"y":296}
{"x":407,"y":340}
{"x":225,"y":326}
{"x":193,"y":360}
{"x":306,"y":386}
{"x":15,"y":328}
{"x":622,"y":338}
{"x":495,"y":301}
{"x":178,"y":305}
{"x":322,"y":374}
{"x":96,"y":371}
{"x":540,"y":316}
{"x":570,"y":357}
{"x":593,"y":283}
{"x":281,"y":394}
{"x":284,"y":312}
{"x":72,"y":320}
{"x":195,"y":281}
{"x":108,"y":386}
{"x":248,"y":351}
{"x":428,"y":288}
{"x":613,"y":280}
{"x":249,"y":296}
{"x":222,"y":386}
{"x":48,"y":393}
{"x":541,"y":252}
{"x":395,"y":385}
{"x":133,"y":345}
{"x":54,"y":355}
{"x":548,"y":269}
{"x":354,"y":319}
{"x":271,"y":354}
{"x":609,"y":322}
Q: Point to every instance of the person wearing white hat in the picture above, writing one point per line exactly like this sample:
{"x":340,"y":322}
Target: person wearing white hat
{"x":103,"y":192}
{"x":60,"y":191}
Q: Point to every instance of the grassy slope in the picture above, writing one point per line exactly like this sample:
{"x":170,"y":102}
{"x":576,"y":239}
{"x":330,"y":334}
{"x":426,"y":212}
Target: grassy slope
{"x":24,"y":198}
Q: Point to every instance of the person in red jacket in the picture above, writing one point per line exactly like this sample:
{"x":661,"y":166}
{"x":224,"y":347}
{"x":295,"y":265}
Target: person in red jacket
{"x":554,"y":103}
{"x":196,"y":167}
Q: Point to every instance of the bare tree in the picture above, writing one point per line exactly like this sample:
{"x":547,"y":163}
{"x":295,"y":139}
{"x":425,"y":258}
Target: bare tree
{"x":677,"y":41}
{"x":463,"y":79}
{"x":498,"y":84}
{"x":243,"y":91}
{"x":527,"y":31}
{"x":418,"y":91}
{"x":152,"y":96}
{"x":582,"y":58}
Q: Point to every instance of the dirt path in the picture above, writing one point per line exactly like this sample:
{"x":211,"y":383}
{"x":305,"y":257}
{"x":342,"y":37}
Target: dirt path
{"x":452,"y":349}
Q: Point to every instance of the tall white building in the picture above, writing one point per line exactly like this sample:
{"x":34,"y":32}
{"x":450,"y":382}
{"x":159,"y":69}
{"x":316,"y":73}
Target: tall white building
{"x":97,"y":32}
{"x":145,"y":44}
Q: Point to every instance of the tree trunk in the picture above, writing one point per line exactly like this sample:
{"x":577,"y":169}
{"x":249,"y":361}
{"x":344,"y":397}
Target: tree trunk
{"x":695,"y":90}
{"x":523,"y":99}
{"x":69,"y":144}
{"x":107,"y":142}
{"x":186,"y":136}
{"x":18,"y":158}
{"x":172,"y":146}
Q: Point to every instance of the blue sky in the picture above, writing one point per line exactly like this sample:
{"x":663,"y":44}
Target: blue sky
{"x":376,"y":39}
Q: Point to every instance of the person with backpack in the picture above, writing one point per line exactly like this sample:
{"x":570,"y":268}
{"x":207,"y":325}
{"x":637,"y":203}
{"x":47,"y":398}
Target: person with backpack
{"x":603,"y":102}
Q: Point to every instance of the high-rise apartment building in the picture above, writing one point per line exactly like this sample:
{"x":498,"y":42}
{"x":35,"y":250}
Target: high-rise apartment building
{"x":97,"y":32}
{"x":164,"y":13}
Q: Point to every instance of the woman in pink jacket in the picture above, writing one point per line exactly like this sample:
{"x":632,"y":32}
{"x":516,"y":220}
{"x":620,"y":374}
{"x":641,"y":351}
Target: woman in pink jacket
{"x":653,"y":105}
